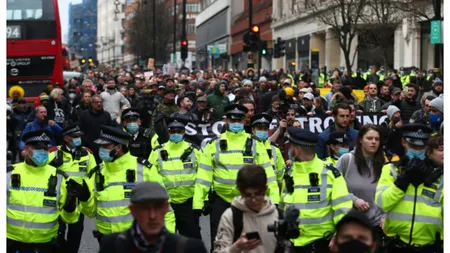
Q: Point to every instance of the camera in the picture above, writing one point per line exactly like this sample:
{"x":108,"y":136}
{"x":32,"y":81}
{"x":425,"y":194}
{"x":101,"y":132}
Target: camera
{"x":286,"y":228}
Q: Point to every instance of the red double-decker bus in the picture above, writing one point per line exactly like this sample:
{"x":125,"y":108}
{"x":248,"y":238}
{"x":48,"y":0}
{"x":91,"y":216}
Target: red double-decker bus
{"x":34,"y":52}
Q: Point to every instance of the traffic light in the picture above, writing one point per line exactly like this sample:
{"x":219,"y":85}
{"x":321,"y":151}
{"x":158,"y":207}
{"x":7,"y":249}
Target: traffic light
{"x":184,"y":49}
{"x":263,"y":47}
{"x":90,"y":59}
{"x":83,"y":61}
{"x":251,"y":39}
{"x":280,"y":47}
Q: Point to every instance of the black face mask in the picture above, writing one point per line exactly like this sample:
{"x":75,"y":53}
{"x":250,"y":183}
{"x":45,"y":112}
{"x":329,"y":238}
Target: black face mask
{"x":354,"y":246}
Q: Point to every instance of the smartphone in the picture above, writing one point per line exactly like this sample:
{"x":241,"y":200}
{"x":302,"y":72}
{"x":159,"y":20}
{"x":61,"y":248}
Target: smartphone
{"x":252,"y":235}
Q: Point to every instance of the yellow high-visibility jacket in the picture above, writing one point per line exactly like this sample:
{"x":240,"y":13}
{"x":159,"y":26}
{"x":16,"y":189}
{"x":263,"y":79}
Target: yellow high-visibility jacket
{"x":32,"y":210}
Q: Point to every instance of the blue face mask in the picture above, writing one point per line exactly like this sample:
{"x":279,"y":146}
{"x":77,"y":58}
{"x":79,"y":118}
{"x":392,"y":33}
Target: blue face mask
{"x":39,"y":157}
{"x":341,"y":151}
{"x":434,"y":118}
{"x":132,"y":128}
{"x":105,"y":154}
{"x":419,"y":154}
{"x":236,"y":127}
{"x":76,"y":142}
{"x":176,"y":138}
{"x":290,"y":156}
{"x":263,"y":135}
{"x":402,"y":72}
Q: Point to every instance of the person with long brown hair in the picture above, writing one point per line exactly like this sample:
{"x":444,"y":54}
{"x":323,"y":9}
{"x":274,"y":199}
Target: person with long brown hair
{"x":361,"y":169}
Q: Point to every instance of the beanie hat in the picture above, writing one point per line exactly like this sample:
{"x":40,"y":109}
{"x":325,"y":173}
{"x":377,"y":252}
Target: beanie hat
{"x":247,"y":82}
{"x":289,"y":91}
{"x":262,"y":79}
{"x":438,"y":81}
{"x":438,"y":103}
{"x":391,"y":110}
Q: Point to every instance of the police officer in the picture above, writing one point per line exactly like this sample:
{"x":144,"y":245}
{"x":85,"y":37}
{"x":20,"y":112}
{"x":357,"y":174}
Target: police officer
{"x":113,"y":181}
{"x":37,"y":194}
{"x":337,"y":146}
{"x":76,"y":161}
{"x":222,"y":158}
{"x":260,"y":129}
{"x":143,"y":139}
{"x":411,"y":193}
{"x":177,"y":162}
{"x":317,"y":189}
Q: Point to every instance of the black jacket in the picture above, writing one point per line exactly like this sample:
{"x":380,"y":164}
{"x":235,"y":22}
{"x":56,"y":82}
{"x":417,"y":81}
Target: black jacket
{"x":112,"y":244}
{"x":90,"y":123}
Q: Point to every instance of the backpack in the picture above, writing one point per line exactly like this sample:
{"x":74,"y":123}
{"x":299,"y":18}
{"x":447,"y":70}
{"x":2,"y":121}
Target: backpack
{"x":238,"y":221}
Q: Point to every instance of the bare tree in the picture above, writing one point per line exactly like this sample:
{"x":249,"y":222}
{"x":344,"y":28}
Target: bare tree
{"x":379,"y":23}
{"x":140,"y":32}
{"x":420,"y":9}
{"x":343,"y":18}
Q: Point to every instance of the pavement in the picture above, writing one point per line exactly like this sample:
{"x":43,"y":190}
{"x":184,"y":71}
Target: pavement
{"x":90,"y":245}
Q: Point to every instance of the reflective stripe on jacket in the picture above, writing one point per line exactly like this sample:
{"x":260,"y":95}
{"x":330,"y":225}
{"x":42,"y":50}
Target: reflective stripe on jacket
{"x":31,"y":216}
{"x":110,"y":206}
{"x":178,"y":176}
{"x":322,"y":206}
{"x":218,"y":168}
{"x":419,"y":210}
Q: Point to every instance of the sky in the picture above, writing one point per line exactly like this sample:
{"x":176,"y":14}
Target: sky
{"x":64,"y":15}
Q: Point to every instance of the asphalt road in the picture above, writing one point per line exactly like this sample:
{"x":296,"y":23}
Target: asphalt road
{"x":90,"y":245}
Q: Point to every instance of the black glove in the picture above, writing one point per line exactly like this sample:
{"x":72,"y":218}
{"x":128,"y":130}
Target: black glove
{"x":416,"y":170}
{"x":81,"y":191}
{"x":402,"y":182}
{"x":71,"y":200}
{"x":206,"y":208}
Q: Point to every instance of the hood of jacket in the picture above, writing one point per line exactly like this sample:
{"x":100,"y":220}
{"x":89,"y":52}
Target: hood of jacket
{"x":217,"y":88}
{"x":268,"y":209}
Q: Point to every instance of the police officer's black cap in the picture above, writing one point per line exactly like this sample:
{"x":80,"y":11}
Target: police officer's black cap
{"x":261,"y":120}
{"x":302,"y":137}
{"x":130,"y":113}
{"x":338,"y":137}
{"x":148,"y":191}
{"x":416,"y":134}
{"x":114,"y":135}
{"x":176,"y":122}
{"x":236,"y":111}
{"x":72,"y":130}
{"x":355,"y":216}
{"x":38,"y":137}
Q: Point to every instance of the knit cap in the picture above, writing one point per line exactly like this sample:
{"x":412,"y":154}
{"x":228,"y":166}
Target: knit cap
{"x":438,"y":103}
{"x":391,"y":110}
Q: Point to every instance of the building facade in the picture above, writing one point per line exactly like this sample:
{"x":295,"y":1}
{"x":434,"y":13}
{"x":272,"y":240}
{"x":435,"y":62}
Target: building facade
{"x":89,"y":28}
{"x":311,"y":45}
{"x":110,"y":32}
{"x":213,"y":25}
{"x":75,"y":28}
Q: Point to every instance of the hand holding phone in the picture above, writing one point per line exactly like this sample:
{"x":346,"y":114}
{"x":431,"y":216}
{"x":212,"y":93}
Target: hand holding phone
{"x":252,"y":235}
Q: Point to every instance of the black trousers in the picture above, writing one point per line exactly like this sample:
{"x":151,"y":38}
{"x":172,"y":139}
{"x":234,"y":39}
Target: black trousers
{"x":186,"y":221}
{"x":218,"y":207}
{"x":74,"y":234}
{"x":318,"y":246}
{"x":14,"y":246}
{"x":424,"y":249}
